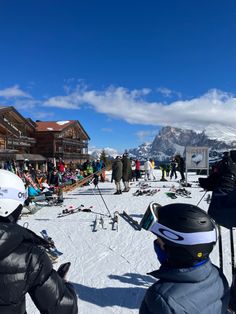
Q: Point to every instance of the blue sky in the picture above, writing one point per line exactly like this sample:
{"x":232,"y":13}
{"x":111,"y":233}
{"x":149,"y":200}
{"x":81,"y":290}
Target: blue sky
{"x":123,"y":68}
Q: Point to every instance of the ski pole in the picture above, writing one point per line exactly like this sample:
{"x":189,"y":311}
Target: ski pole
{"x":201,"y":198}
{"x":220,"y":248}
{"x":103,"y":200}
{"x":232,"y":251}
{"x":98,"y":203}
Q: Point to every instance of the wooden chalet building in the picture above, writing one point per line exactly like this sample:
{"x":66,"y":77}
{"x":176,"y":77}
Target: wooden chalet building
{"x":65,"y":139}
{"x":17,"y":139}
{"x":22,"y":138}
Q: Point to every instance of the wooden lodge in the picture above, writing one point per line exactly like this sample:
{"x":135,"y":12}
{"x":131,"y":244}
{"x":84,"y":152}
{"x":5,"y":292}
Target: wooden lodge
{"x":65,"y":139}
{"x":22,"y":138}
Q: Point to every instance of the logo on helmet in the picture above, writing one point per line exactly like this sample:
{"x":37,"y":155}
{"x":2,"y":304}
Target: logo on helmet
{"x":22,"y":195}
{"x":171,"y":235}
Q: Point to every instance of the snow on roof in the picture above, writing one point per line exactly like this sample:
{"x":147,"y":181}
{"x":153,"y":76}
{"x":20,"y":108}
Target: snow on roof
{"x":56,"y":126}
{"x":62,"y":122}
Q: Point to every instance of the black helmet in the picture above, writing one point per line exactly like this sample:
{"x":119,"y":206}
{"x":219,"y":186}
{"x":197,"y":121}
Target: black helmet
{"x":188,"y":232}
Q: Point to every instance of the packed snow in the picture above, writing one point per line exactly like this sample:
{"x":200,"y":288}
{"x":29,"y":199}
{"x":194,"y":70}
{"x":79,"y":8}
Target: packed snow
{"x":109,"y":267}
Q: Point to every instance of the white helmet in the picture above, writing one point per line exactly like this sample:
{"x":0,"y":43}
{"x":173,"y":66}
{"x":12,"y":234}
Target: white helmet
{"x":12,"y":192}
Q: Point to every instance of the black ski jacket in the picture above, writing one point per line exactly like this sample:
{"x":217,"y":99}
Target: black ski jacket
{"x":26,"y":268}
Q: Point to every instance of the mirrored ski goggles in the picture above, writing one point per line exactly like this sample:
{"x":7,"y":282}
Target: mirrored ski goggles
{"x":150,"y":222}
{"x":150,"y":216}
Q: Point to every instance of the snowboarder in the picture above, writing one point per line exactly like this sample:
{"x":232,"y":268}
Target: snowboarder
{"x":186,"y":237}
{"x":25,"y":266}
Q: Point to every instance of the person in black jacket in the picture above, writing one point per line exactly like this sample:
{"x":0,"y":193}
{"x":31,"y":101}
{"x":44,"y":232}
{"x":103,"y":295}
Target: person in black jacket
{"x":24,"y":265}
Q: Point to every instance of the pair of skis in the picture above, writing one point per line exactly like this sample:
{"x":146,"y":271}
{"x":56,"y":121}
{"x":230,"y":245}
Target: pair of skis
{"x":100,"y":223}
{"x":72,"y":210}
{"x":148,"y":192}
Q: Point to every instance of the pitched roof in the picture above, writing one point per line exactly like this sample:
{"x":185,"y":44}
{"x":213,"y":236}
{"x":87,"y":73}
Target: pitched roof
{"x":57,"y":126}
{"x":54,"y":126}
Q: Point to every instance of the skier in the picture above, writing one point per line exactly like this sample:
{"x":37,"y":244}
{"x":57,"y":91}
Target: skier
{"x":173,"y":166}
{"x":147,"y":169}
{"x":180,"y":166}
{"x":189,"y":282}
{"x":137,"y":169}
{"x":117,"y":169}
{"x":151,"y":172}
{"x":126,"y":172}
{"x":24,"y":265}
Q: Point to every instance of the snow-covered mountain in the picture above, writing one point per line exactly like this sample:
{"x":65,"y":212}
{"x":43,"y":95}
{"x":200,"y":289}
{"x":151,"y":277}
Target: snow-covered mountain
{"x":221,"y":133}
{"x":172,"y":140}
{"x":96,"y":152}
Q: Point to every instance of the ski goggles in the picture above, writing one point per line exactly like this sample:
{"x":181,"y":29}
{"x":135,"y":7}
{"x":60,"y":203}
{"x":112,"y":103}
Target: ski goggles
{"x":150,"y":216}
{"x":150,"y":222}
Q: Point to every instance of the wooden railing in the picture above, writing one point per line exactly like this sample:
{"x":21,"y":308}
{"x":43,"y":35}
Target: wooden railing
{"x":82,"y":182}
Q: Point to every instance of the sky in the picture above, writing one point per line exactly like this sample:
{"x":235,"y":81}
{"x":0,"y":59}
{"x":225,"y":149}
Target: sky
{"x":108,"y":267}
{"x":123,"y":68}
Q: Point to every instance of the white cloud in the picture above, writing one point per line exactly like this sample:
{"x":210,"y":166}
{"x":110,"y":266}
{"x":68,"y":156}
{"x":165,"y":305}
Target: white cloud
{"x":13,"y":92}
{"x":214,"y":106}
{"x":145,"y":135}
{"x":166,"y":92}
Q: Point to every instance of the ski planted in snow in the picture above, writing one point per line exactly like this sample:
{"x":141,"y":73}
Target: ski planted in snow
{"x":52,"y":250}
{"x":130,"y":220}
{"x":115,"y":221}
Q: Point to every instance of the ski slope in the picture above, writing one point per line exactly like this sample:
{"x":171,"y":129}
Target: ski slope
{"x":109,"y":267}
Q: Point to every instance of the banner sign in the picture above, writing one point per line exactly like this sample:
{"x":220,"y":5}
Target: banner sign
{"x":197,"y":157}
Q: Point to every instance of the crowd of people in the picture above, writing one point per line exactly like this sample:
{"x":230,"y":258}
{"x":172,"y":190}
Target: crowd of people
{"x":188,"y":282}
{"x":52,"y":176}
{"x":125,"y":169}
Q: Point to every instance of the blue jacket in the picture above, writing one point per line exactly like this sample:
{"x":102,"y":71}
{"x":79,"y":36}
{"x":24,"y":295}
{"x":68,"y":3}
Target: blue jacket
{"x":200,"y":290}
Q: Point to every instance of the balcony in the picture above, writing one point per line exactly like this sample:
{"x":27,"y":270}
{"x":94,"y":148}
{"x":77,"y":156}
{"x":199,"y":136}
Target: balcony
{"x":22,"y":141}
{"x":71,"y":142}
{"x":72,"y":156}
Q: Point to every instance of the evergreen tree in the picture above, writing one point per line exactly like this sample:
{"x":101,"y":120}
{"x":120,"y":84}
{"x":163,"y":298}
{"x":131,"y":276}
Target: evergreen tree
{"x":106,"y":160}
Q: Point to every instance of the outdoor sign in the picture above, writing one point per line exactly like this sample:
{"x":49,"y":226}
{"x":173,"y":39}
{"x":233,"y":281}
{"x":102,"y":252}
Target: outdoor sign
{"x":197,"y":158}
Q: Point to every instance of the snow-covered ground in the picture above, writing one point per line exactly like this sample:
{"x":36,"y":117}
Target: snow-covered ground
{"x":109,"y":267}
